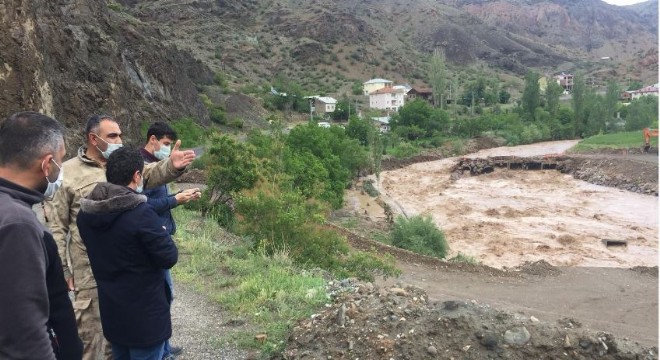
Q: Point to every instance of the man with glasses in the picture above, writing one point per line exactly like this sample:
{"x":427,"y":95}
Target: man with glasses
{"x":102,"y":136}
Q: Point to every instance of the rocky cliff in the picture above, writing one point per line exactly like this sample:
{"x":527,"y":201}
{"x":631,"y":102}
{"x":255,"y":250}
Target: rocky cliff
{"x":70,"y":59}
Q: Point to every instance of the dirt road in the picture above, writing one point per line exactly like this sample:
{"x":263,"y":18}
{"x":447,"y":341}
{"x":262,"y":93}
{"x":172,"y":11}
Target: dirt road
{"x":505,"y":219}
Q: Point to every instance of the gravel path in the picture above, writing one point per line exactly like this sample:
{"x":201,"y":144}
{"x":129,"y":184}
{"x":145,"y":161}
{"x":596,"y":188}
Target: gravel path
{"x":199,"y":325}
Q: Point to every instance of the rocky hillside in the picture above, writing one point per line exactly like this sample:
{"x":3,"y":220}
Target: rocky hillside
{"x":326,"y":44}
{"x":143,"y":60}
{"x":71,"y":59}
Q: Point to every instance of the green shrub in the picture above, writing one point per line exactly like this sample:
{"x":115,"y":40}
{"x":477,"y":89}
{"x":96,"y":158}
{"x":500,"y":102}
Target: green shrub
{"x":217,"y":115}
{"x":404,"y":150}
{"x":237,"y":123}
{"x":190,"y":133}
{"x":366,"y":265}
{"x":462,"y":258}
{"x":420,"y":235}
{"x":114,"y":6}
{"x":368,"y":187}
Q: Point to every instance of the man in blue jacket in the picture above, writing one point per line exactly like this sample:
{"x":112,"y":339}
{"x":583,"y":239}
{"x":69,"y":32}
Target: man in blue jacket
{"x":128,"y":250}
{"x":160,"y":137}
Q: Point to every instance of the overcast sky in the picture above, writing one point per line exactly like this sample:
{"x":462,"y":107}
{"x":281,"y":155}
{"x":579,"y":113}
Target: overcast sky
{"x":623,"y":2}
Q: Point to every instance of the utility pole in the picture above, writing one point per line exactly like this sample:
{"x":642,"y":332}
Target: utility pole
{"x":311,"y":116}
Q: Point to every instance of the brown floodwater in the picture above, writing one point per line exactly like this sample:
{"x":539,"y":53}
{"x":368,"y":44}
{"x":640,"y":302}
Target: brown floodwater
{"x":510,"y":217}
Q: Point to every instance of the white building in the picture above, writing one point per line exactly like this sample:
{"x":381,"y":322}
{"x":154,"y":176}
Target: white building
{"x":375,"y":84}
{"x":388,"y":98}
{"x":645,"y":91}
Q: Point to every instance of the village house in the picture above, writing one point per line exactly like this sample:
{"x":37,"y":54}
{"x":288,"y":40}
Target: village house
{"x":566,"y":81}
{"x":630,"y":95}
{"x":322,"y":105}
{"x":651,"y":90}
{"x":325,"y":104}
{"x":420,"y":93}
{"x":375,"y":84}
{"x":388,"y":98}
{"x":382,"y":123}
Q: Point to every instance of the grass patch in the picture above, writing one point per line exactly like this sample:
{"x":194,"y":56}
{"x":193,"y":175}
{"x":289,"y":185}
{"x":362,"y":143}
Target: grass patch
{"x":622,"y":140}
{"x":462,"y":258}
{"x":268,"y":291}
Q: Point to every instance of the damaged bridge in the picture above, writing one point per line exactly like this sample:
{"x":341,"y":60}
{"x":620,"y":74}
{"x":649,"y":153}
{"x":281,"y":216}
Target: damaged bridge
{"x":487,"y":165}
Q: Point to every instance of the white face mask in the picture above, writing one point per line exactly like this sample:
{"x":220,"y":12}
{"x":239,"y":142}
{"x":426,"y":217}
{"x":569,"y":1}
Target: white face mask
{"x":163,"y":152}
{"x":111,"y":147}
{"x":140,"y":187}
{"x":53,"y":186}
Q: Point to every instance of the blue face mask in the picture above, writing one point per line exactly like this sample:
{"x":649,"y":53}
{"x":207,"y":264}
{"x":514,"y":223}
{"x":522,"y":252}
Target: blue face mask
{"x":110,"y":149}
{"x":53,"y":186}
{"x":163,"y":152}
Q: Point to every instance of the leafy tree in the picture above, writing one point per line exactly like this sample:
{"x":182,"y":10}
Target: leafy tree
{"x":281,"y":220}
{"x":579,"y":106}
{"x":611,"y":104}
{"x":503,"y":97}
{"x":641,"y":113}
{"x":437,"y":77}
{"x":419,"y":234}
{"x":325,"y":145}
{"x":306,"y":172}
{"x":356,"y":88}
{"x":231,"y":167}
{"x":635,"y":85}
{"x":417,"y":119}
{"x":359,"y":129}
{"x":341,"y":110}
{"x":595,"y":114}
{"x":552,"y":93}
{"x":531,"y":95}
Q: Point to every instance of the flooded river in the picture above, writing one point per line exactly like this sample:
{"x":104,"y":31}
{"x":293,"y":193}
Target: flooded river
{"x":506,"y":218}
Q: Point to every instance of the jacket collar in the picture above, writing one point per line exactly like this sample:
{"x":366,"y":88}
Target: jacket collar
{"x":82,"y":156}
{"x":111,"y":198}
{"x":28,"y":196}
{"x":147,"y":156}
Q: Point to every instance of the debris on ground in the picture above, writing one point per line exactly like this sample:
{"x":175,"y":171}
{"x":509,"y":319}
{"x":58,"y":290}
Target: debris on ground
{"x":368,"y":322}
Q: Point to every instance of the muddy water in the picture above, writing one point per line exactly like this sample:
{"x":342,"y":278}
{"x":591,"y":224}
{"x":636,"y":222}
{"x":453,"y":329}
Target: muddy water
{"x":506,"y":218}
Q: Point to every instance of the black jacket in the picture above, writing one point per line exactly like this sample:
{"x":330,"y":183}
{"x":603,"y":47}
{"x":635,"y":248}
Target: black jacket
{"x":34,"y":295}
{"x":128,"y":250}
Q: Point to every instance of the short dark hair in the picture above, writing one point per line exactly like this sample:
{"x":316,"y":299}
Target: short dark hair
{"x":26,"y":136}
{"x":93,"y":123}
{"x":122,"y":164}
{"x":160,"y":130}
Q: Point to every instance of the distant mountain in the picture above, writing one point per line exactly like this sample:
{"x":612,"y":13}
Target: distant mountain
{"x":648,"y":11}
{"x":355,"y":39}
{"x":143,"y":60}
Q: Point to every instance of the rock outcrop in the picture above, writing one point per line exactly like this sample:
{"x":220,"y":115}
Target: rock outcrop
{"x":70,"y":59}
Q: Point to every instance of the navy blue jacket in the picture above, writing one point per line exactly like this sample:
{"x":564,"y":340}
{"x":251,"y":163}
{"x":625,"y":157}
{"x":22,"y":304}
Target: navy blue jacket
{"x":128,"y":250}
{"x":160,"y":199}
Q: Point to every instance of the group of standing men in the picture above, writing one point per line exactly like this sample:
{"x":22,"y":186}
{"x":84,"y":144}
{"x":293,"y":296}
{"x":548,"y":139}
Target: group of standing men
{"x":110,"y":247}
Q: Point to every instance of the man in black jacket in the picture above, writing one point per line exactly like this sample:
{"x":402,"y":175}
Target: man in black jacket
{"x":36,"y":315}
{"x":128,"y":249}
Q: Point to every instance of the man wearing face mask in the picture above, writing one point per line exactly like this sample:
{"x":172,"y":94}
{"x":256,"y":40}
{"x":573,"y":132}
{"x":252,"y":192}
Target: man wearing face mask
{"x":102,"y":136}
{"x":36,"y":316}
{"x":128,"y":250}
{"x":160,"y":137}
